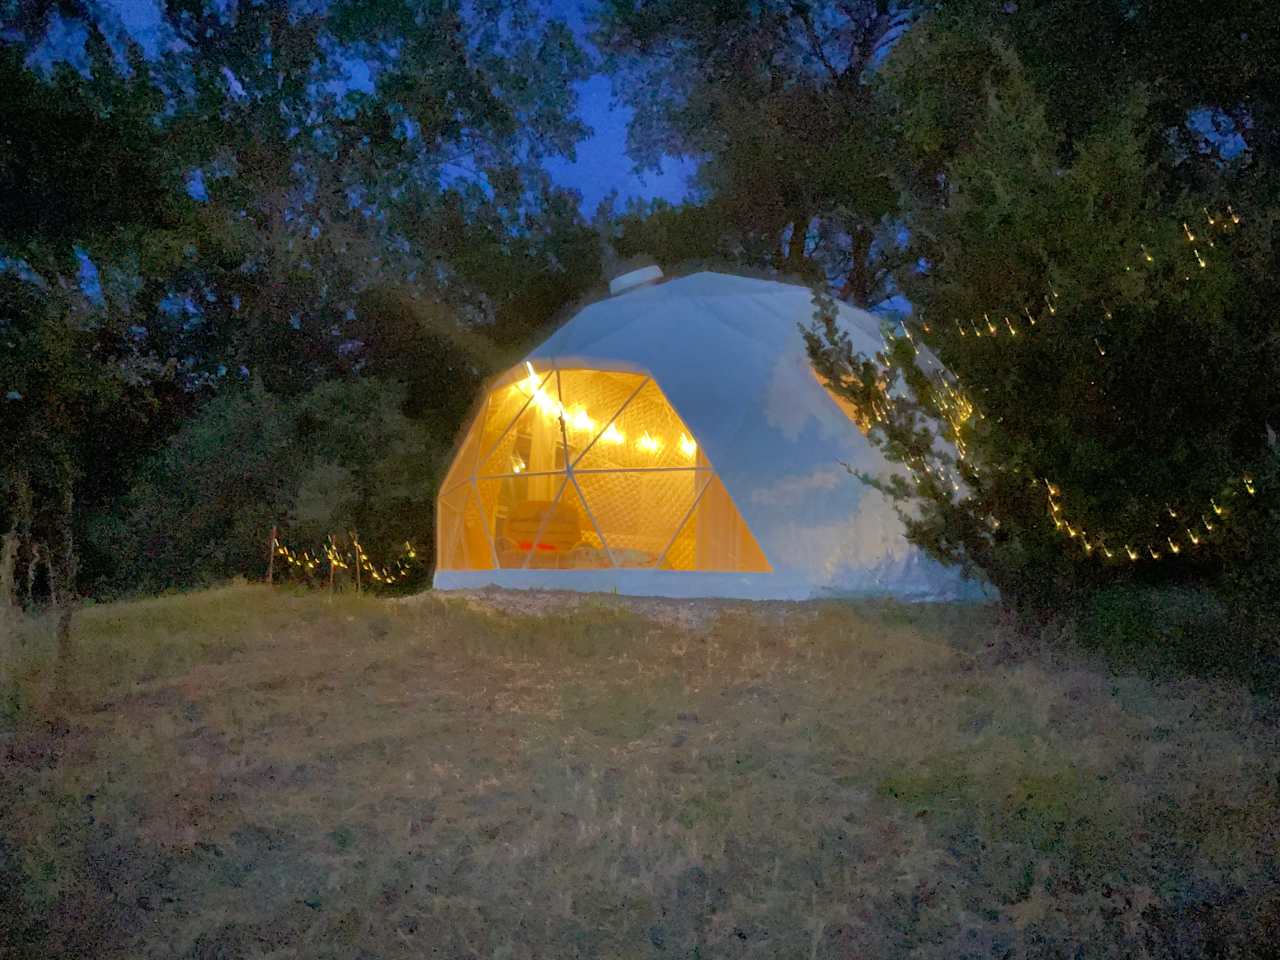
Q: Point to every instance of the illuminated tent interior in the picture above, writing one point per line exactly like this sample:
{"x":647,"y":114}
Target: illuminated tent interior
{"x":642,"y":495}
{"x":674,"y":440}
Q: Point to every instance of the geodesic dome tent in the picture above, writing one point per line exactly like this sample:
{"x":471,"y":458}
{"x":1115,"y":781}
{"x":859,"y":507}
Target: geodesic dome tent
{"x":674,"y":440}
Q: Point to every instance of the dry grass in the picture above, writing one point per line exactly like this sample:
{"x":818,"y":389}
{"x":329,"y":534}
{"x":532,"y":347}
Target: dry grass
{"x":240,"y":773}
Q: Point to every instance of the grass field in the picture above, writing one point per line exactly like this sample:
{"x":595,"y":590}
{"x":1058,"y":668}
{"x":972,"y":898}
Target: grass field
{"x":242,"y":773}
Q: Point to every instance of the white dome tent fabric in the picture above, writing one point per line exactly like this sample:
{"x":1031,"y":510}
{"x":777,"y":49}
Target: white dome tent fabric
{"x":674,"y":440}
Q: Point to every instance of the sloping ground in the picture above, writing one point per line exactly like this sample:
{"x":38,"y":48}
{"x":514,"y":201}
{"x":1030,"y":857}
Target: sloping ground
{"x":241,"y":773}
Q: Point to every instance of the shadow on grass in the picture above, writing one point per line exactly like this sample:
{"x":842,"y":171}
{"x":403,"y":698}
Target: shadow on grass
{"x":1170,"y":632}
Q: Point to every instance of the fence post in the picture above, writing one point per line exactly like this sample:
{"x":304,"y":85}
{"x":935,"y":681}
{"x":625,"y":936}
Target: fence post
{"x":332,"y":553}
{"x":271,"y":556}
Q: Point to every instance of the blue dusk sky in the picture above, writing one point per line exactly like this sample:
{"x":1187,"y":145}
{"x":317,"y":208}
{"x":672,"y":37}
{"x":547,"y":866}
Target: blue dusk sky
{"x":600,"y":167}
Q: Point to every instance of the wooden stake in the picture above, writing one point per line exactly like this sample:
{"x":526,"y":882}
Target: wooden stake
{"x":356,"y":546}
{"x":271,"y":555}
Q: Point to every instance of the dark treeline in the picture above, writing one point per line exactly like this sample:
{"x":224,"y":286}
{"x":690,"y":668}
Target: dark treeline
{"x":241,"y":291}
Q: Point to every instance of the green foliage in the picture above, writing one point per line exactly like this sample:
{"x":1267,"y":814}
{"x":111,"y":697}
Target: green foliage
{"x":1109,"y":350}
{"x":406,"y":233}
{"x":772,"y":99}
{"x":1157,"y":628}
{"x":342,"y":457}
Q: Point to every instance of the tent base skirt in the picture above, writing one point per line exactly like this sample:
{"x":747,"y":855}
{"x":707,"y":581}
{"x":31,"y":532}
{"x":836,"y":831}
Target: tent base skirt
{"x":677,"y":584}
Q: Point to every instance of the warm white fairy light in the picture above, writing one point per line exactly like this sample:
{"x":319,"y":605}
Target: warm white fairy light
{"x":649,"y":444}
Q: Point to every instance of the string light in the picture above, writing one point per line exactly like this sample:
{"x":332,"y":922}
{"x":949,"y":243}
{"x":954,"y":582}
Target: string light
{"x":958,"y":413}
{"x":1062,"y":523}
{"x":1053,"y":294}
{"x":649,"y":444}
{"x":337,"y":560}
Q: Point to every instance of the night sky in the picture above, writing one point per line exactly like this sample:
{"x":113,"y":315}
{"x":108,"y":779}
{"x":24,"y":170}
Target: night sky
{"x":601,"y":165}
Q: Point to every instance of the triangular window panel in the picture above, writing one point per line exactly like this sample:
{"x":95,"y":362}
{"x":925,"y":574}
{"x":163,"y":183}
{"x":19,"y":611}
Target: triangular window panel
{"x":722,"y":541}
{"x":475,"y":539}
{"x":682,"y":552}
{"x":647,"y":434}
{"x":528,"y":524}
{"x":534,"y":442}
{"x":464,"y":464}
{"x":590,"y":553}
{"x":464,"y":542}
{"x":449,"y":552}
{"x":639,"y":512}
{"x":591,"y":399}
{"x":507,"y":404}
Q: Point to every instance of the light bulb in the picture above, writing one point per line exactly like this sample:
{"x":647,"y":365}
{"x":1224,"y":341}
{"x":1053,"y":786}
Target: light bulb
{"x":649,"y":444}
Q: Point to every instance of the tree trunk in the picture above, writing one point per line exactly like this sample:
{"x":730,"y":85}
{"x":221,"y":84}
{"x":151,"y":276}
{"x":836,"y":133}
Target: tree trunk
{"x":63,"y":582}
{"x":33,"y":571}
{"x":857,"y":284}
{"x":271,"y":556}
{"x":9,"y":610}
{"x":8,"y":570}
{"x":796,"y":262}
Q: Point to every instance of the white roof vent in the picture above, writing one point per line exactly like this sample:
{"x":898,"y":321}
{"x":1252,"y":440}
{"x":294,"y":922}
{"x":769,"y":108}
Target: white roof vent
{"x":636,"y":278}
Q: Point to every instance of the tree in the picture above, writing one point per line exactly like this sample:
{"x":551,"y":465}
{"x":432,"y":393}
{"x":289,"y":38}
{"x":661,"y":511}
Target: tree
{"x":341,"y":457}
{"x":73,"y":362}
{"x":775,"y":101}
{"x":1099,"y":299}
{"x":237,"y":209}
